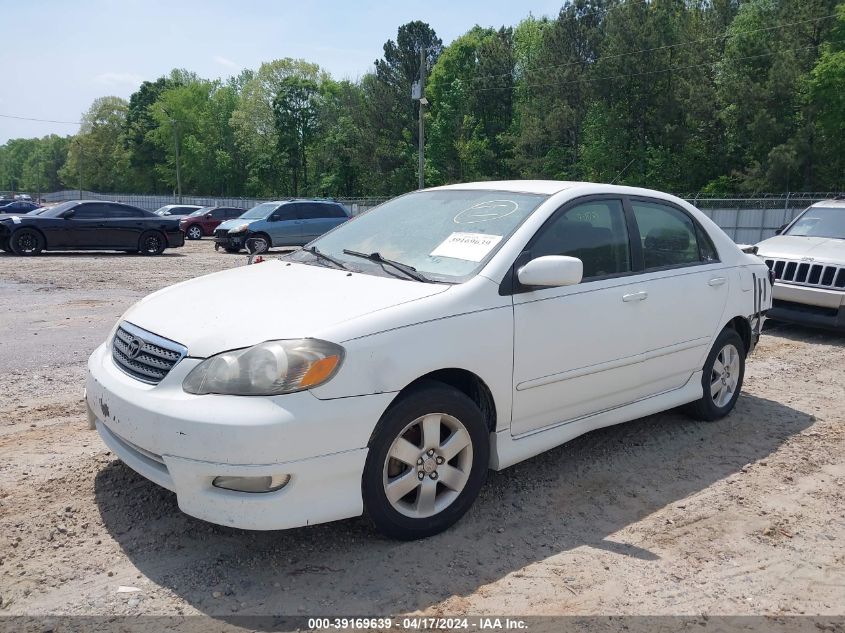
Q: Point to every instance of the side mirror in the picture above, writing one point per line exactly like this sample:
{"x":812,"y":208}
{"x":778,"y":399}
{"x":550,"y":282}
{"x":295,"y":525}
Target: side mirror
{"x":780,"y":229}
{"x":69,"y":214}
{"x":207,"y":216}
{"x":551,"y":270}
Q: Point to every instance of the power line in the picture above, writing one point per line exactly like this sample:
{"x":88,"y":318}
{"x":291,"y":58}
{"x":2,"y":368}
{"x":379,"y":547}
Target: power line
{"x":658,"y":71}
{"x":26,"y":118}
{"x":725,"y":35}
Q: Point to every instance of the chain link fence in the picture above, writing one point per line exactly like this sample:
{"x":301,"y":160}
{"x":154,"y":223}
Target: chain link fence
{"x":746,"y":219}
{"x":153,"y":202}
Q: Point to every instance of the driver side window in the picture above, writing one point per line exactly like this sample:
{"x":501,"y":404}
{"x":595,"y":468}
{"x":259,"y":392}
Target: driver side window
{"x":595,"y":232}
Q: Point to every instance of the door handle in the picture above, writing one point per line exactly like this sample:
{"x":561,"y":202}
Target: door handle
{"x":635,"y":296}
{"x":716,"y":281}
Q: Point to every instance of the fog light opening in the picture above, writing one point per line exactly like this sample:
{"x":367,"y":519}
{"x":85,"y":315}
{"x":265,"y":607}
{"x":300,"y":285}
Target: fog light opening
{"x":266,"y":483}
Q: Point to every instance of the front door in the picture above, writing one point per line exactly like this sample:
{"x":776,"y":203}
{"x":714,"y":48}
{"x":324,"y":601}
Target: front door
{"x":285,"y":228}
{"x":576,"y":348}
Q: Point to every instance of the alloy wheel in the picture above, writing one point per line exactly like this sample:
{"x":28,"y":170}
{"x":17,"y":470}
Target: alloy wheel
{"x":427,"y":465}
{"x":724,"y":376}
{"x":152,"y":244}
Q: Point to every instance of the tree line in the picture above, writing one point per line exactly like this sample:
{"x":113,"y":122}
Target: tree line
{"x":716,"y":96}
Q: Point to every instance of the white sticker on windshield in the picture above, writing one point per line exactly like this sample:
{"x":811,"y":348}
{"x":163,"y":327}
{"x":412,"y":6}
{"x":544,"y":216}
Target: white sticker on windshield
{"x":471,"y":247}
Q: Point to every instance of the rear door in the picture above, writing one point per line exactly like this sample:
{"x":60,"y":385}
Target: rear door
{"x":318,"y":218}
{"x":124,"y":225}
{"x":685,"y":284}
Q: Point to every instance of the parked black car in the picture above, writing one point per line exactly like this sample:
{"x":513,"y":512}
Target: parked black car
{"x":17,"y":207}
{"x":90,"y":225}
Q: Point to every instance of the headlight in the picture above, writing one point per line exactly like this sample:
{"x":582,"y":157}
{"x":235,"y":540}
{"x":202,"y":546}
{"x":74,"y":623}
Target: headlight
{"x":240,"y":228}
{"x":266,"y":369}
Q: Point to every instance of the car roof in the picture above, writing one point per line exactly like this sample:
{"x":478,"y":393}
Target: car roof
{"x":547,"y":187}
{"x":837,"y":203}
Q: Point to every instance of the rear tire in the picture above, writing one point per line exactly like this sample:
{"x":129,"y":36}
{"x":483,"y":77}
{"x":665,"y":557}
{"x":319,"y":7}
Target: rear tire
{"x":427,"y":460}
{"x":193,"y":232}
{"x":152,"y":243}
{"x":722,"y":376}
{"x":26,"y":242}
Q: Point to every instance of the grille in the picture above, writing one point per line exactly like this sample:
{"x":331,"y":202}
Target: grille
{"x":144,"y":355}
{"x":808,"y":274}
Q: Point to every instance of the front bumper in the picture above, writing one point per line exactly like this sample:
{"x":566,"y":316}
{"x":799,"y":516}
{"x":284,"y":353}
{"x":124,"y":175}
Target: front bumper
{"x":226,"y":240}
{"x":182,"y":442}
{"x":803,"y":305}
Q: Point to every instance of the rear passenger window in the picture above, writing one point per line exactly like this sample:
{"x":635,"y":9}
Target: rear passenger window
{"x":668,"y":235}
{"x":91,"y":211}
{"x":312,"y":211}
{"x":234,"y":213}
{"x":594,"y":232}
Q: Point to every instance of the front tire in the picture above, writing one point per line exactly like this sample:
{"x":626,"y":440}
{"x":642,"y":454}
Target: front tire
{"x":152,"y":243}
{"x":722,"y":376}
{"x":427,"y":461}
{"x":26,"y":242}
{"x":194,"y":232}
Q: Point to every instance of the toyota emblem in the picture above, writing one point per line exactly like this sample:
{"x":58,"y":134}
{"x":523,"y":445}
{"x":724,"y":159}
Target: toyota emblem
{"x":134,"y":348}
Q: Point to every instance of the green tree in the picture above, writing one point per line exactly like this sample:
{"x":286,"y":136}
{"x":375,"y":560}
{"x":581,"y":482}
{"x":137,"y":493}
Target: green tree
{"x":97,"y":154}
{"x":295,"y":109}
{"x":254,"y":124}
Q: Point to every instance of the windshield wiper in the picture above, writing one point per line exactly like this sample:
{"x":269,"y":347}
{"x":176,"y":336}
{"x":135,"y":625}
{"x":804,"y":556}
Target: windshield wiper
{"x":328,"y":258}
{"x":410,"y":271}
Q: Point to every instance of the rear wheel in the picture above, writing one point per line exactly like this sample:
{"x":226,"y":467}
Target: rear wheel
{"x":427,"y":462}
{"x":722,"y":377}
{"x":26,"y":242}
{"x":152,"y":243}
{"x":194,"y":232}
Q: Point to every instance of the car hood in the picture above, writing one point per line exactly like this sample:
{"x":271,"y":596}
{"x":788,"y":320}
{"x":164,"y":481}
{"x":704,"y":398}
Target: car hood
{"x":272,"y":300}
{"x":824,"y":249}
{"x":230,"y":224}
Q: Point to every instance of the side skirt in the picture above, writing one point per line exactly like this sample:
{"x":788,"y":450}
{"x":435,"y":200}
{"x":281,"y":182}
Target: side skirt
{"x":506,"y":450}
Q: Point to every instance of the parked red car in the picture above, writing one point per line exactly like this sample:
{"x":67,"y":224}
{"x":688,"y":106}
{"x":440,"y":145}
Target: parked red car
{"x":203,"y":221}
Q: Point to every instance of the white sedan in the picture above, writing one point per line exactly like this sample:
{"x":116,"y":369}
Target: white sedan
{"x":389,"y":364}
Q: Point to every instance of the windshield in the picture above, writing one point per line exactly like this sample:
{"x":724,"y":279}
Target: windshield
{"x":820,"y":222}
{"x":201,"y":211}
{"x":260,"y":212}
{"x":447,"y":235}
{"x":54,"y":212}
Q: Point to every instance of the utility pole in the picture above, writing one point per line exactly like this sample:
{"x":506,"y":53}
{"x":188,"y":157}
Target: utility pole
{"x":79,"y":165}
{"x":423,"y":102}
{"x":174,"y":123}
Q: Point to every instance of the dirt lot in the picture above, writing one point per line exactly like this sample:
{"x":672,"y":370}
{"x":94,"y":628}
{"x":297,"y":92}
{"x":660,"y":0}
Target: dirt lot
{"x":659,"y":516}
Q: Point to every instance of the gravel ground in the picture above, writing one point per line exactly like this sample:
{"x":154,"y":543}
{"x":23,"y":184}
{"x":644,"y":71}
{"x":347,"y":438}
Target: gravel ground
{"x":663,"y":515}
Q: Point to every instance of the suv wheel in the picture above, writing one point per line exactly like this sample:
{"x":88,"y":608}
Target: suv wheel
{"x":194,"y":232}
{"x":427,"y":461}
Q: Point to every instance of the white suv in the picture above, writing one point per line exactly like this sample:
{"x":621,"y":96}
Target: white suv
{"x":808,"y":261}
{"x":387,"y":365}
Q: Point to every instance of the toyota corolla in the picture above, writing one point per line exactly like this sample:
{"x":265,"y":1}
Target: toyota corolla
{"x":386,"y":366}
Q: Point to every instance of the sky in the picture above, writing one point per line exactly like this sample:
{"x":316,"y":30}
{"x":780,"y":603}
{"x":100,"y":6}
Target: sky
{"x":57,"y":56}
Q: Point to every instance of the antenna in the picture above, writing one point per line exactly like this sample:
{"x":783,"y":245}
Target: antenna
{"x":623,"y":170}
